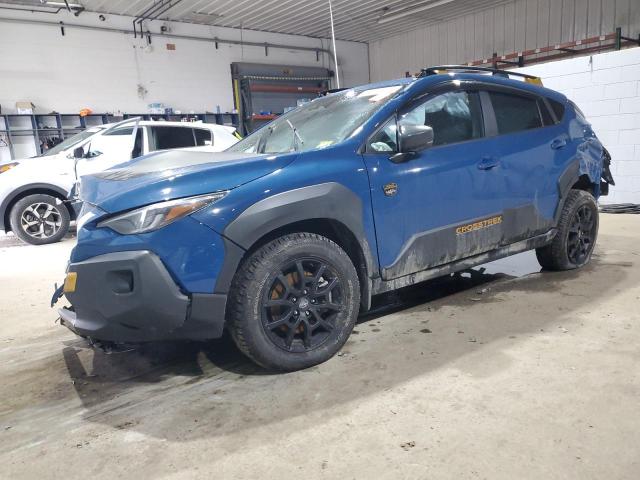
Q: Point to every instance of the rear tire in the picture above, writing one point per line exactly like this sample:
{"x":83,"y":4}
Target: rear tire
{"x":39,"y":219}
{"x":294,"y":302}
{"x":577,"y":233}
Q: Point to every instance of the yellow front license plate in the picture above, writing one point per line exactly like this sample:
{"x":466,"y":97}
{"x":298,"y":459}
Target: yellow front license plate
{"x":70,"y":282}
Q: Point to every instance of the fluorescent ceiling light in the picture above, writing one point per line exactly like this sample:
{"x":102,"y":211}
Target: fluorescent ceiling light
{"x":209,"y":16}
{"x":410,"y":11}
{"x":60,"y":4}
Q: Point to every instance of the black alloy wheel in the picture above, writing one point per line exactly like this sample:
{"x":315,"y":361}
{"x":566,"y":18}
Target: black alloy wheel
{"x":293,"y":302}
{"x":577,"y":231}
{"x":581,"y":238}
{"x":301,"y":306}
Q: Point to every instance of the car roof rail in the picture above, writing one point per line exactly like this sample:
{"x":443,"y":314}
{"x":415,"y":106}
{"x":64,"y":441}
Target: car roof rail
{"x":440,"y":69}
{"x":324,"y":93}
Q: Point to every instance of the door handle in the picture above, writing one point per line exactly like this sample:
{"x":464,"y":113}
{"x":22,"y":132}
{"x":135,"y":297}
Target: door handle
{"x":558,"y":143}
{"x":487,"y":163}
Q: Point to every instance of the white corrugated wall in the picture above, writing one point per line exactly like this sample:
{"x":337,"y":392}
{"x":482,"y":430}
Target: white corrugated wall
{"x":512,"y":27}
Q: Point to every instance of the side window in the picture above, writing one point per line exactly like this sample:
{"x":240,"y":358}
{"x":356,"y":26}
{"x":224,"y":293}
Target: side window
{"x":137,"y":145}
{"x":558,"y":109}
{"x":547,"y":119}
{"x":515,"y":113}
{"x":385,"y":140}
{"x":203,"y":137}
{"x":120,"y":131}
{"x":454,"y":117}
{"x":172,"y":137}
{"x":116,"y":142}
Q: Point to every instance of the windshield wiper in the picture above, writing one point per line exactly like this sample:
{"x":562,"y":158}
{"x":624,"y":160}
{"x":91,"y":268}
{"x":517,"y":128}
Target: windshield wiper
{"x":262,"y":143}
{"x":296,"y":136}
{"x":297,"y":140}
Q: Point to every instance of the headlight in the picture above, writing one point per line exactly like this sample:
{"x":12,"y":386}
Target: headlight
{"x":158,"y":215}
{"x":7,"y":166}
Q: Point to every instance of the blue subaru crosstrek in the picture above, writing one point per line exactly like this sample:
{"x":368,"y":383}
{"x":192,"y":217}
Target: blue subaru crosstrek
{"x":284,"y":238}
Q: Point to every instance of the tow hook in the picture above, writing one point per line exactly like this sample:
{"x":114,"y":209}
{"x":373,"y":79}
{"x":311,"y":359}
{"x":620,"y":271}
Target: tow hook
{"x":109,"y":348}
{"x":59,"y":291}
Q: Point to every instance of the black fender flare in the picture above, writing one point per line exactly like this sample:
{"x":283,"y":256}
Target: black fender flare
{"x":567,"y":179}
{"x":331,"y":201}
{"x":23,"y":189}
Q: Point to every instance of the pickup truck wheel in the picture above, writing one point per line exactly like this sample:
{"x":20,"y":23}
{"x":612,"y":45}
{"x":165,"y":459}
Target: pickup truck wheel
{"x":39,"y":219}
{"x":577,"y":232}
{"x":294,"y":302}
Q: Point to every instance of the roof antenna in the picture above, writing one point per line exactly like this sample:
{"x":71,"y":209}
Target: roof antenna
{"x":335,"y":53}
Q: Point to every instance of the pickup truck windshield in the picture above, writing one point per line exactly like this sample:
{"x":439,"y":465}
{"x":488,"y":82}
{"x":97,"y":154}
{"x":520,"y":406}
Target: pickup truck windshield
{"x":318,"y":124}
{"x":71,"y":141}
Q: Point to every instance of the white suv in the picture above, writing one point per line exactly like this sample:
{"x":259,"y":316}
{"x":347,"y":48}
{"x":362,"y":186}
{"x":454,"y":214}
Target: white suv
{"x":33,"y":191}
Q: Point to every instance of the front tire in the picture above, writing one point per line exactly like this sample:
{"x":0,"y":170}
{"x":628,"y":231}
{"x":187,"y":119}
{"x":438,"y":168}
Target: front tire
{"x":577,"y":233}
{"x":39,"y":219}
{"x":294,"y":302}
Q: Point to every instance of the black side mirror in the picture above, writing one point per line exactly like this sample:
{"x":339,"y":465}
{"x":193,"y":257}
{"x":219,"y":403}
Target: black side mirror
{"x":412,"y":139}
{"x":78,"y":153}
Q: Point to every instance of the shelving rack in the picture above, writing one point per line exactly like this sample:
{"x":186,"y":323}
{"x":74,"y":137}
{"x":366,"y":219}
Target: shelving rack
{"x":262,"y":92}
{"x":62,"y":125}
{"x":614,"y":40}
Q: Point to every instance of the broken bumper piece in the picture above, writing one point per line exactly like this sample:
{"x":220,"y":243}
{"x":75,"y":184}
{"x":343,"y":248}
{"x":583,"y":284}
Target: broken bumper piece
{"x":130,"y":297}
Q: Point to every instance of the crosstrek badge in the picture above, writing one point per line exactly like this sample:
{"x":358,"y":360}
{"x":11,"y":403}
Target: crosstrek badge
{"x":479,"y":225}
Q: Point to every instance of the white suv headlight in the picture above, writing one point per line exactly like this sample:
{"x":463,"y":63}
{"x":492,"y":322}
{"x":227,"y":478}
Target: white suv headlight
{"x":158,"y":215}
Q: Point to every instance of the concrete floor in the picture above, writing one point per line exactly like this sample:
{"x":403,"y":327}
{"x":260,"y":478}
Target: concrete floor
{"x":484,"y":377}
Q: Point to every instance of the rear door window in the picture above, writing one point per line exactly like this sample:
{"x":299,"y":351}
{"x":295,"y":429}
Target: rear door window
{"x":172,"y":137}
{"x":515,"y":113}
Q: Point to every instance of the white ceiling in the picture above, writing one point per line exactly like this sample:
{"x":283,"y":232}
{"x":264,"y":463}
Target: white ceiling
{"x":356,"y":20}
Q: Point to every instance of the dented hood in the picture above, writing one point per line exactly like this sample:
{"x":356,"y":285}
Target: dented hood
{"x":175,"y":174}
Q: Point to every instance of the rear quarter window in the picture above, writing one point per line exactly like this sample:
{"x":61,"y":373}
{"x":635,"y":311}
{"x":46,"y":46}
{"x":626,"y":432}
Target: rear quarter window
{"x":579,"y":113}
{"x":547,"y":118}
{"x":203,"y":137}
{"x":558,"y":109}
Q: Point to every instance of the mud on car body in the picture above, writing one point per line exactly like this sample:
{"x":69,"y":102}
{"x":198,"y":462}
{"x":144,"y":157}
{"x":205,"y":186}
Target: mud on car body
{"x":286,"y":236}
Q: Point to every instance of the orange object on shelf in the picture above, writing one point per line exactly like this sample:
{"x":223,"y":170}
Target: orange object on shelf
{"x":257,"y":116}
{"x":260,"y":87}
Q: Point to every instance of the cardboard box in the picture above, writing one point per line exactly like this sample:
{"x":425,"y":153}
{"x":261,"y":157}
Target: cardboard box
{"x":156,"y":108}
{"x":25,"y":108}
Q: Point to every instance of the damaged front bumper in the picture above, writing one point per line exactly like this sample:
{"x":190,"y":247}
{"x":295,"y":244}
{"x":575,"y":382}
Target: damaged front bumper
{"x":126,"y":297}
{"x":607,"y":177}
